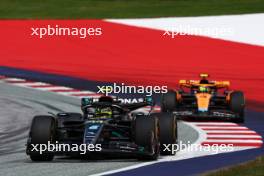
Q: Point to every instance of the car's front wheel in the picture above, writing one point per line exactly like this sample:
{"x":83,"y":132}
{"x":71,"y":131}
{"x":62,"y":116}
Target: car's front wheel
{"x":146,"y":136}
{"x":42,"y":130}
{"x":168,"y":132}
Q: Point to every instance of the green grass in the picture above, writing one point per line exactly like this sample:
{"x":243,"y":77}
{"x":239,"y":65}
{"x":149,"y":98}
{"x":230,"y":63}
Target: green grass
{"x":252,"y":168}
{"x":76,"y":9}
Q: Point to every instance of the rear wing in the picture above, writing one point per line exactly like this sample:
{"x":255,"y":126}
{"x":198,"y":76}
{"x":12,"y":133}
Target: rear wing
{"x":196,"y":83}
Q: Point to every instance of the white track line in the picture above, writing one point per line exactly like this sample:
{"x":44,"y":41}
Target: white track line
{"x":214,"y":123}
{"x":235,"y":141}
{"x":13,"y":79}
{"x":54,"y":88}
{"x":28,"y":84}
{"x":238,"y":26}
{"x":233,"y":132}
{"x":225,"y":127}
{"x":234,"y":136}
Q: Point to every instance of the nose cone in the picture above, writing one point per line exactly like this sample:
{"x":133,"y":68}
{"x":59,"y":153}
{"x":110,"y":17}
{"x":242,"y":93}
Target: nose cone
{"x":203,"y":101}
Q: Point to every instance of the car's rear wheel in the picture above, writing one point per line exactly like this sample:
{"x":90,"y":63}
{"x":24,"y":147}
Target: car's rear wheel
{"x":237,"y":105}
{"x":168,"y":132}
{"x":42,"y":130}
{"x":169,"y":101}
{"x":146,"y":136}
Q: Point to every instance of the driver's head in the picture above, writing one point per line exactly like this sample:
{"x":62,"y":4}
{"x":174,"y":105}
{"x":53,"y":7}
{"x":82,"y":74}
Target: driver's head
{"x":105,"y":112}
{"x":203,"y":89}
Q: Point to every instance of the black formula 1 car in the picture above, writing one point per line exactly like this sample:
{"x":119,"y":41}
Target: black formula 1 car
{"x":111,"y":127}
{"x":204,"y":99}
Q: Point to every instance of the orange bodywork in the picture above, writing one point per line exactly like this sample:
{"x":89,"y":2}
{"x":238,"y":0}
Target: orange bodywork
{"x":203,"y":98}
{"x":217,"y":84}
{"x":203,"y":101}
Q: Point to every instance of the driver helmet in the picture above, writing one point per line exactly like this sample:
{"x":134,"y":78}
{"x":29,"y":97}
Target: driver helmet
{"x":203,"y":89}
{"x":103,"y":112}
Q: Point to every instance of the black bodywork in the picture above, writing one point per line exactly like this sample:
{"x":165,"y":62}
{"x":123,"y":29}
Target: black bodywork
{"x":114,"y":133}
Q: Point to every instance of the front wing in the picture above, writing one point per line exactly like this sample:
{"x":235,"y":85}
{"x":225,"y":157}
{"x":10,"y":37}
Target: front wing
{"x":210,"y":115}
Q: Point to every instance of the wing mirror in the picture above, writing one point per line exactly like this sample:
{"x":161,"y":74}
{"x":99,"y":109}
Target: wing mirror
{"x":86,"y":101}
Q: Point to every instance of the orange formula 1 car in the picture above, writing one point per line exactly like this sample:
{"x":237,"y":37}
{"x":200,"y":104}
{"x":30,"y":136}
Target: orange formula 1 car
{"x":205,"y":99}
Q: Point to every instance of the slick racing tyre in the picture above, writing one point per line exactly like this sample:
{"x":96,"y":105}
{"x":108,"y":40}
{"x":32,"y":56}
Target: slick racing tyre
{"x":237,"y":105}
{"x":168,"y":132}
{"x":42,"y":130}
{"x":168,"y":101}
{"x":146,"y":135}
